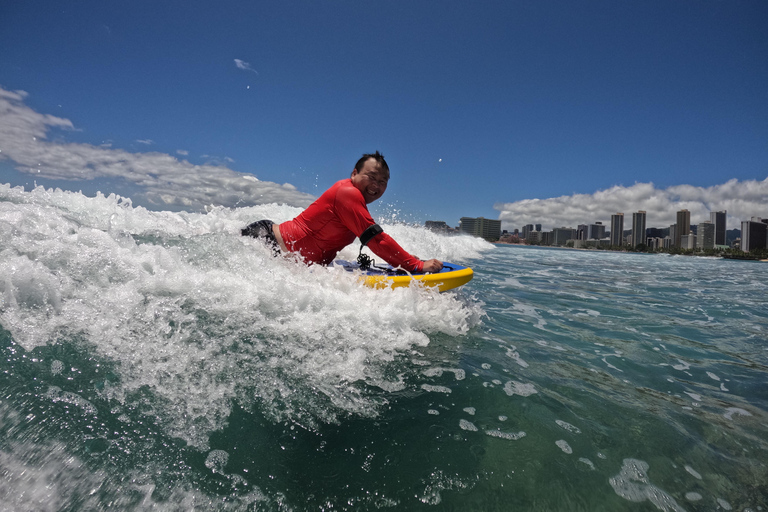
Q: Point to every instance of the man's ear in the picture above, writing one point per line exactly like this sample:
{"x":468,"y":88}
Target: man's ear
{"x":354,"y":171}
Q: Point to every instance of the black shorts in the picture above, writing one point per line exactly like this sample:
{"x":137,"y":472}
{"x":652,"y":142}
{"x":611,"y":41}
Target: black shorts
{"x":263,"y":231}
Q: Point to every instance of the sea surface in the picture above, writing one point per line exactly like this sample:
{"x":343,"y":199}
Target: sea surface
{"x":160,"y":361}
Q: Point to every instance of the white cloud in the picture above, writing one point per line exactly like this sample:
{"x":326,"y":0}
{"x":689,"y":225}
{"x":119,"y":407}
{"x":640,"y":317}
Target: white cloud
{"x":164,"y":180}
{"x":742,"y":200}
{"x":241,"y":64}
{"x":182,"y":152}
{"x":147,"y":142}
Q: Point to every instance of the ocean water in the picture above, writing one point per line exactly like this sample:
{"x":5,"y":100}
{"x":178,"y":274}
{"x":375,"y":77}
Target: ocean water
{"x":159,"y":361}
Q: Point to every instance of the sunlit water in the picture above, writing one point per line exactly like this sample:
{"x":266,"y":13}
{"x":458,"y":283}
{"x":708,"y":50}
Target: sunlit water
{"x":160,"y":361}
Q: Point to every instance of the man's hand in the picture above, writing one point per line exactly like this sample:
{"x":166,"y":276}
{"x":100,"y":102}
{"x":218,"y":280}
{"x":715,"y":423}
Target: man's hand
{"x":433,"y":265}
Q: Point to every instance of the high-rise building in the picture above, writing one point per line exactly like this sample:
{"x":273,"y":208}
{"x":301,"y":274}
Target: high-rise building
{"x":638,"y":228}
{"x":705,"y":235}
{"x":688,"y":241}
{"x":534,"y":237}
{"x":489,"y":229}
{"x":581,"y":232}
{"x":754,"y":234}
{"x":617,"y":229}
{"x":718,"y":219}
{"x":596,"y":231}
{"x":527,"y":229}
{"x":561,"y":235}
{"x":683,"y":225}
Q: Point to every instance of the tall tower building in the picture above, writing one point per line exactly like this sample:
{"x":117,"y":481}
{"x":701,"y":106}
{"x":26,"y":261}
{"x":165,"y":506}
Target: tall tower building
{"x":705,"y":235}
{"x":718,"y":219}
{"x":754,"y":234}
{"x":638,"y":228}
{"x":683,"y":226}
{"x":617,"y":229}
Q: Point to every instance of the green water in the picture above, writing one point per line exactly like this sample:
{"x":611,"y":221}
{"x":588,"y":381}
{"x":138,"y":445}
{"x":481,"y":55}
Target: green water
{"x":582,"y":381}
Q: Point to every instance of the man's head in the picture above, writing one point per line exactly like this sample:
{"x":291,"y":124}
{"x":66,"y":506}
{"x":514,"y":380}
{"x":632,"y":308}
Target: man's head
{"x":371,"y":176}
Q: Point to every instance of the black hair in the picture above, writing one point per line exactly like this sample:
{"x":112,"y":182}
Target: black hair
{"x":376,"y":156}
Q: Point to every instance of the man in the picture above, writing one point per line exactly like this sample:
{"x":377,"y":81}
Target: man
{"x":338,"y":217}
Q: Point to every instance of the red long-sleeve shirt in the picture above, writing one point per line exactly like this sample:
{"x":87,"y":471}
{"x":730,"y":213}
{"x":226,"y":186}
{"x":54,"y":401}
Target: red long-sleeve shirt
{"x":333,"y":222}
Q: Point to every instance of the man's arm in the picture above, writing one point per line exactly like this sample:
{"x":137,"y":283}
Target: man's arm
{"x":352,"y":212}
{"x":385,"y":247}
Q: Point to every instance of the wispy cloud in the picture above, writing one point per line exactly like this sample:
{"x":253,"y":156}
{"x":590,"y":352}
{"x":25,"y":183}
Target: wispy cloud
{"x":164,"y":180}
{"x":241,"y":64}
{"x":742,"y":200}
{"x":182,"y":152}
{"x":147,"y":142}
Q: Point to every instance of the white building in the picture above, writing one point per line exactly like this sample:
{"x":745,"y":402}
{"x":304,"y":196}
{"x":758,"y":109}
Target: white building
{"x":705,"y":236}
{"x":688,"y":241}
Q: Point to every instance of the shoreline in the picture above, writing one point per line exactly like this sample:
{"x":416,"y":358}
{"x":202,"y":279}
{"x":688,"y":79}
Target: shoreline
{"x":722,"y":257}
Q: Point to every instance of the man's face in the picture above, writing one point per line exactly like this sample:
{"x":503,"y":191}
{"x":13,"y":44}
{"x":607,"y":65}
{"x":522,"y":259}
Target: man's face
{"x":371,"y":180}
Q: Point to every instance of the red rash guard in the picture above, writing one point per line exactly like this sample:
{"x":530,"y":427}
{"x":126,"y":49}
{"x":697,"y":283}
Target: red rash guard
{"x":333,"y":222}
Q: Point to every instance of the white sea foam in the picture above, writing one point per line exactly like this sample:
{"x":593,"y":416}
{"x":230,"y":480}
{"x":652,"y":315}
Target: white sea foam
{"x":515,"y":356}
{"x":563,"y":445}
{"x":467,"y":425}
{"x":42,"y":475}
{"x":568,"y":427}
{"x":526,"y":310}
{"x":731,"y":411}
{"x":632,"y":484}
{"x":458,"y":373}
{"x":510,"y":436}
{"x":182,"y":305}
{"x":514,"y":387}
{"x":436,"y":389}
{"x":56,"y":395}
{"x":56,"y":367}
{"x":724,"y":504}
{"x":693,"y":472}
{"x":217,"y":460}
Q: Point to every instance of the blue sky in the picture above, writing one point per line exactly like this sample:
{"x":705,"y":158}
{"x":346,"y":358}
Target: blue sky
{"x":552,"y":112}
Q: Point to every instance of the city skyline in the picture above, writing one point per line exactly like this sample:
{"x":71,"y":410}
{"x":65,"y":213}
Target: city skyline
{"x":705,"y":236}
{"x":618,"y":235}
